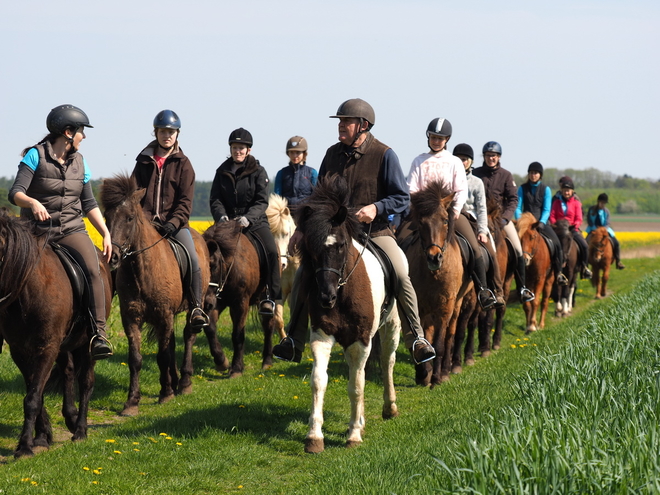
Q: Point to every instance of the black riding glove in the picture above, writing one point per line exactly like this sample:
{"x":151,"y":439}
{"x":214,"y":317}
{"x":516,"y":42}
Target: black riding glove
{"x":168,"y":229}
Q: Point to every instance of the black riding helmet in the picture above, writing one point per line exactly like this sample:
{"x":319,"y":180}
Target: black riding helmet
{"x":439,"y":127}
{"x":241,"y":135}
{"x":66,"y":117}
{"x":463,"y":149}
{"x":535,"y":167}
{"x":167,"y":119}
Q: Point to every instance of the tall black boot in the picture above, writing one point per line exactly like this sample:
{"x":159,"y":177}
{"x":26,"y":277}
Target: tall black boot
{"x":99,"y":345}
{"x":198,"y":318}
{"x":616,"y":248}
{"x":485,"y":296}
{"x":558,"y":269}
{"x":526,"y":295}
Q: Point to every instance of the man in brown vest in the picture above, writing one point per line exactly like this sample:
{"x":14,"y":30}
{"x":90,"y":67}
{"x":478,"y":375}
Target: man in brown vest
{"x":378,"y":187}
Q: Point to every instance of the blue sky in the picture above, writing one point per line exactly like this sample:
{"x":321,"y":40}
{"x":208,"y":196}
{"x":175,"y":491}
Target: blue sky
{"x":569,"y":84}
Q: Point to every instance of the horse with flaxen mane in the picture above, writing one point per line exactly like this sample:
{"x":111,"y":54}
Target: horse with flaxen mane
{"x":601,"y":256}
{"x":237,"y":283}
{"x":345,"y":290}
{"x":282,"y":226}
{"x":437,"y":273}
{"x":539,"y":276}
{"x":566,"y":293}
{"x":150,"y":289}
{"x":42,"y":322}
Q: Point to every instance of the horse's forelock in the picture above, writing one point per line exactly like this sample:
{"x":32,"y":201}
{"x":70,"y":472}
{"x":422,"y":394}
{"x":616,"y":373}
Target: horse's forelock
{"x":525,"y":222}
{"x":116,"y":190}
{"x":225,"y":235}
{"x":279,"y":216}
{"x":427,"y":201}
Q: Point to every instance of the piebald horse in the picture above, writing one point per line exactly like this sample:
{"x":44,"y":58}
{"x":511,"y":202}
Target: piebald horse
{"x":345,"y":289}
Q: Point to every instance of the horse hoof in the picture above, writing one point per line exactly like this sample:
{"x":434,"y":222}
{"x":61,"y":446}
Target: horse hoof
{"x":23,"y":452}
{"x":314,"y":446}
{"x":457,"y":370}
{"x":223,"y":366}
{"x":235,"y":374}
{"x":352,"y":443}
{"x":470,"y":362}
{"x":41,"y":442}
{"x":496,"y":347}
{"x":444,"y":378}
{"x":187,"y":390}
{"x":129,"y":411}
{"x":79,"y":436}
{"x":390,"y":413}
{"x":266,"y":366}
{"x":165,"y":399}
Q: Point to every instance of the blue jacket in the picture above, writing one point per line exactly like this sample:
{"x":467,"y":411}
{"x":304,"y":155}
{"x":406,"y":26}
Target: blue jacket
{"x":295,"y":182}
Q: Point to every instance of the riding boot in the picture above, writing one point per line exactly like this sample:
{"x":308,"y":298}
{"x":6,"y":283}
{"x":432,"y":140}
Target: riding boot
{"x":198,"y":318}
{"x":292,"y":346}
{"x":99,"y":345}
{"x":559,"y":273}
{"x":616,"y":248}
{"x":494,"y":278}
{"x":526,"y":295}
{"x":485,"y":296}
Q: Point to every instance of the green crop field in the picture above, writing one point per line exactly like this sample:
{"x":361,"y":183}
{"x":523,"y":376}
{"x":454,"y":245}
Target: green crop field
{"x":570,"y":409}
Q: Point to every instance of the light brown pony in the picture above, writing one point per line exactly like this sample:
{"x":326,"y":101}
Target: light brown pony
{"x":282,"y":226}
{"x":41,"y":321}
{"x":539,"y":276}
{"x":150,"y":289}
{"x":601,"y":256}
{"x":437,"y":273}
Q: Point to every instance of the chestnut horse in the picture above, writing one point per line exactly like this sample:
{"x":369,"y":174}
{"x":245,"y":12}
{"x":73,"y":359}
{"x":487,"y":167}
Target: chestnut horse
{"x":237,"y":283}
{"x":345,"y":290}
{"x":282,"y":226}
{"x":437,"y":273}
{"x":601,"y":256}
{"x":539,"y":276}
{"x":42,"y":323}
{"x":566,"y":293}
{"x":150,"y":289}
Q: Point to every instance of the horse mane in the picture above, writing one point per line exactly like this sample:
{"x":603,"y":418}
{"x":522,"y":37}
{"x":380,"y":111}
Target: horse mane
{"x":598,"y":234}
{"x":225,"y":235}
{"x":18,"y":252}
{"x":562,"y":228}
{"x":278,"y":213}
{"x":525,"y":223}
{"x":428,"y":201}
{"x":116,"y":190}
{"x":315,"y":218}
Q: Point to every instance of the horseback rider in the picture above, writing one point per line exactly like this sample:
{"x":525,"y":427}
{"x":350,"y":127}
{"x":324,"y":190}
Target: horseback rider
{"x":499,"y":184}
{"x":476,"y":211}
{"x":599,"y":216}
{"x":296,"y":181}
{"x":378,"y":188}
{"x":536,"y":198}
{"x":438,"y":165}
{"x":53,"y":190}
{"x":240,"y":192}
{"x":567,"y":205}
{"x":169,"y":179}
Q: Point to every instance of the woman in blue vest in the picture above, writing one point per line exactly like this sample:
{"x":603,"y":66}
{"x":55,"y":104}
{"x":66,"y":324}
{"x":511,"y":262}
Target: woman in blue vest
{"x":599,"y":216}
{"x":296,"y":181}
{"x":53,"y":190}
{"x":536,"y":198}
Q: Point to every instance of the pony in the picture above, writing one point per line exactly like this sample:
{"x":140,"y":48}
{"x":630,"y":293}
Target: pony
{"x":344,"y":286}
{"x":437,"y":273}
{"x":42,"y":322}
{"x":566,"y":293}
{"x":601,"y":256}
{"x":282,"y":227}
{"x":237,"y":283}
{"x":150,"y":290}
{"x":539,"y":276}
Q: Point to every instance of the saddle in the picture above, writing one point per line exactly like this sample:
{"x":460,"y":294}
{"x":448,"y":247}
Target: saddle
{"x":262,"y":255}
{"x":183,"y":260}
{"x":551,"y":245}
{"x":79,"y":286}
{"x":468,"y":255}
{"x":391,"y":280}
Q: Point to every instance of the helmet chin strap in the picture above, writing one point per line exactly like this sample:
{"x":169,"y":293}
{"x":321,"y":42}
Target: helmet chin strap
{"x":360,"y":132}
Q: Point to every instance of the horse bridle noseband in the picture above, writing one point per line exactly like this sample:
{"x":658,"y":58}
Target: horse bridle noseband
{"x":343,"y":281}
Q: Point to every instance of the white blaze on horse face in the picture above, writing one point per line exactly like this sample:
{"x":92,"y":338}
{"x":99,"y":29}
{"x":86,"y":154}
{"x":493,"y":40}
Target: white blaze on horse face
{"x":331,"y":240}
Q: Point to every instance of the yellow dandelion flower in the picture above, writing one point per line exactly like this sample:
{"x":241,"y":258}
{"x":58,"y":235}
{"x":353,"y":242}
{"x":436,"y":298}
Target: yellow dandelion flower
{"x":513,"y":346}
{"x":142,"y":474}
{"x":123,"y":364}
{"x":153,"y":440}
{"x":95,"y":482}
{"x":163,"y":434}
{"x":109,"y":440}
{"x":96,"y":471}
{"x":136,"y":443}
{"x":295,"y":397}
{"x":179,"y":443}
{"x":526,"y":338}
{"x":85,"y":468}
{"x":33,"y":483}
{"x":136,"y":450}
{"x":168,"y":438}
{"x":242,"y":406}
{"x":534,"y":345}
{"x":117,"y":451}
{"x":517,"y":340}
{"x":240,"y":486}
{"x":282,"y":375}
{"x":310,"y":359}
{"x":305,"y":383}
{"x":25,"y":479}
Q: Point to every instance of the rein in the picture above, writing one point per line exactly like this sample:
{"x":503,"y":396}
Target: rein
{"x":343,"y":281}
{"x":125,"y":253}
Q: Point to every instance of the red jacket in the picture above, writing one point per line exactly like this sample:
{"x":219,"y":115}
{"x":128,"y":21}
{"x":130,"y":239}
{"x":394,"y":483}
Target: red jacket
{"x":573,"y":211}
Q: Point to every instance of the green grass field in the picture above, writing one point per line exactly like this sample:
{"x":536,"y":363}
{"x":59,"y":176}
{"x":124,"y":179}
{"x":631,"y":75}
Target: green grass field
{"x":246,"y":435}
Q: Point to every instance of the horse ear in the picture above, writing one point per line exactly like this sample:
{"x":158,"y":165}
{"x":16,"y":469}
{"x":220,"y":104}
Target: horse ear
{"x":212,"y":246}
{"x":287,"y":212}
{"x":139,"y":194}
{"x":340,"y":216}
{"x":447,"y":201}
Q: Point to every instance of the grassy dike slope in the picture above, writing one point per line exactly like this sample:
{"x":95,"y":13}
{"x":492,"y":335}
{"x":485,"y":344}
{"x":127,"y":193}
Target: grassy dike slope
{"x":246,"y":435}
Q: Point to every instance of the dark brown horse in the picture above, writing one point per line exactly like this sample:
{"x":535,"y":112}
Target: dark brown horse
{"x":150,"y":289}
{"x":41,"y":321}
{"x":237,"y":283}
{"x":437,"y":273}
{"x":539,"y":276}
{"x":601,"y":256}
{"x":566,"y":293}
{"x":345,"y":290}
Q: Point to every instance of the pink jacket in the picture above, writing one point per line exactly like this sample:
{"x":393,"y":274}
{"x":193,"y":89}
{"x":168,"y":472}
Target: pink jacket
{"x":573,"y":211}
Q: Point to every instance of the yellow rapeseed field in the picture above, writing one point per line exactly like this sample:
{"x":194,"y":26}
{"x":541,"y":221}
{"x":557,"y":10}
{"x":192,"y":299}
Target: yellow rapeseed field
{"x":198,"y":226}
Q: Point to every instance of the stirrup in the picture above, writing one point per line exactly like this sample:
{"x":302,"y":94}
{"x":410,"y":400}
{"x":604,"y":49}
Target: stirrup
{"x":428,"y":356}
{"x":198,"y":314}
{"x":561,"y":279}
{"x":586,"y":273}
{"x":526,"y":295}
{"x":486,"y":298}
{"x":105,"y":347}
{"x":267,"y":307}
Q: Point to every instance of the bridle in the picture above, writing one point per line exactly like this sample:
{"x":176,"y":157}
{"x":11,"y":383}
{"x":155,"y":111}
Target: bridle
{"x":125,"y":253}
{"x":340,"y":273}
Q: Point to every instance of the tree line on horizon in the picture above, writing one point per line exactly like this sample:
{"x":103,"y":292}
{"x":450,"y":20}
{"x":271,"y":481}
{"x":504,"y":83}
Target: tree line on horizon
{"x":627,"y":194}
